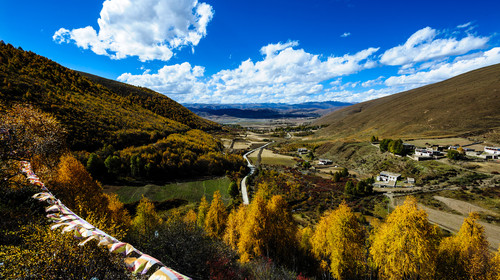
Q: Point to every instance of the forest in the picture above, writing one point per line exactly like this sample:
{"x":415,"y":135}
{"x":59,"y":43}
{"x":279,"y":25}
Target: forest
{"x":115,"y":130}
{"x":262,"y":240}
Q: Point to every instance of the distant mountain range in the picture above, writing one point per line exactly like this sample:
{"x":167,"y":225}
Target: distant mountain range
{"x":267,"y":110}
{"x":468,"y":104}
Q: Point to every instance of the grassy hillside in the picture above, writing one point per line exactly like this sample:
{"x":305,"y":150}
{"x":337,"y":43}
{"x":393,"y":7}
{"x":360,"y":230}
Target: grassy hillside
{"x":466,"y":104}
{"x":94,"y":111}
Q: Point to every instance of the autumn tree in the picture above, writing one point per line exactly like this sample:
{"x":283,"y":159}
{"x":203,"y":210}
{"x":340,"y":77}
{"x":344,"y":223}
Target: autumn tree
{"x":77,"y":189}
{"x":252,"y":242}
{"x":48,"y":254}
{"x":465,"y":255}
{"x":339,"y":240}
{"x":26,"y":132}
{"x":202,"y":212}
{"x":235,"y":222}
{"x":215,"y":221}
{"x":146,"y":220}
{"x":404,"y":247}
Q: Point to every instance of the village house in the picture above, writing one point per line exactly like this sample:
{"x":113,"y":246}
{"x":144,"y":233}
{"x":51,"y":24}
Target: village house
{"x":325,"y":162}
{"x":388,"y":176}
{"x":302,"y":151}
{"x":492,"y":150}
{"x":424,"y":152}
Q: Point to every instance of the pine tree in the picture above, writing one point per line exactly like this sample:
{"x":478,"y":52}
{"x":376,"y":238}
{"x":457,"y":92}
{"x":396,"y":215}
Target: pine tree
{"x":404,"y":247}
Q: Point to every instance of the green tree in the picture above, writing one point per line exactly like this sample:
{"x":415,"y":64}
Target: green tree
{"x":349,"y":188}
{"x":453,"y":154}
{"x":95,"y":165}
{"x":339,"y":240}
{"x":396,"y":147}
{"x":344,"y":172}
{"x":336,"y":177}
{"x":113,"y":164}
{"x":384,"y":145}
{"x":405,"y":246}
{"x":233,"y":190}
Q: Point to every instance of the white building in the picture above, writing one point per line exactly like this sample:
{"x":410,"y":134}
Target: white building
{"x":325,"y":162}
{"x":302,"y":151}
{"x":424,"y":152}
{"x":492,"y":150}
{"x":388,"y":176}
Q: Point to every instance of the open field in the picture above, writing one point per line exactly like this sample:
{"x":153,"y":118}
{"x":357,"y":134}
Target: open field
{"x":190,"y":191}
{"x":448,"y":142}
{"x":270,"y":158}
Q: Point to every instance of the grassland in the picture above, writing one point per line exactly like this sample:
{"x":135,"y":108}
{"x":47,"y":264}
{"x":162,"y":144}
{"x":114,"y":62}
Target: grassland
{"x":191,"y":191}
{"x":270,"y":158}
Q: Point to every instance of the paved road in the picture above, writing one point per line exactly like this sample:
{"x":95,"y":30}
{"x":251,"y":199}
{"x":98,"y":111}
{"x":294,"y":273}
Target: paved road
{"x":244,"y":193}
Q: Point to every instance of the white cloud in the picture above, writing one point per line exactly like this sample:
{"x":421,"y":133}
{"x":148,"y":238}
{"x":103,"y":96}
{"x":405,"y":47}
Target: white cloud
{"x":149,"y":29}
{"x":464,"y":25}
{"x":444,"y":71}
{"x":423,"y":46}
{"x":178,"y":79}
{"x":285,"y":74}
{"x":346,"y":34}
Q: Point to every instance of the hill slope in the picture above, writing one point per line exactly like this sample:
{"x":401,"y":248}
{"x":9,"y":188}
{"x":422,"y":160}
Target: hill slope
{"x":94,"y":110}
{"x":465,"y":104}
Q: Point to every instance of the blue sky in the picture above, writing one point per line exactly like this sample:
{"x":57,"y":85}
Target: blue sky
{"x":236,"y":51}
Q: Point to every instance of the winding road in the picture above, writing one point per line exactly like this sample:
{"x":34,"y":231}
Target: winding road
{"x":244,"y":192}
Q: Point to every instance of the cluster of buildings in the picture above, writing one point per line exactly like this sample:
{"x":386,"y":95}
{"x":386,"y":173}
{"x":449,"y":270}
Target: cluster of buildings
{"x":437,"y":151}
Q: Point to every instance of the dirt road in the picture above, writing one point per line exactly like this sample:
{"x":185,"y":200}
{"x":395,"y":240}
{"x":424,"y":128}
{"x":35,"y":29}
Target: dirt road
{"x":453,"y":222}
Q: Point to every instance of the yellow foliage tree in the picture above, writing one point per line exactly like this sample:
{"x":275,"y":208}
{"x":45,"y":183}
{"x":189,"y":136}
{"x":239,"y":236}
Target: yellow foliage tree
{"x":48,"y":254}
{"x":117,"y":211}
{"x":465,"y":255}
{"x":215,"y":221}
{"x":495,"y":266}
{"x":146,"y":220}
{"x":202,"y":212}
{"x":339,"y":239}
{"x":252,"y":237}
{"x":75,"y":187}
{"x":235,"y":221}
{"x":404,"y":247}
{"x":268,"y":230}
{"x":190,"y":217}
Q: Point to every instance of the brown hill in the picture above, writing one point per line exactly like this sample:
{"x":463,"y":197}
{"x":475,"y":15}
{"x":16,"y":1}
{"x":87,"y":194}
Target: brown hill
{"x":468,"y":104}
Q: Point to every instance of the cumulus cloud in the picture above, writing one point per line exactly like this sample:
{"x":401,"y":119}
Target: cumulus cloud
{"x":284,"y":74}
{"x":423,"y":46}
{"x":444,"y":71}
{"x":178,"y":79}
{"x":149,"y":29}
{"x":346,"y":34}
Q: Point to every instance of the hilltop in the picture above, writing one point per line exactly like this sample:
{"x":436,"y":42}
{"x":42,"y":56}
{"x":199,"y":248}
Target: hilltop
{"x":94,"y":110}
{"x":468,"y":104}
